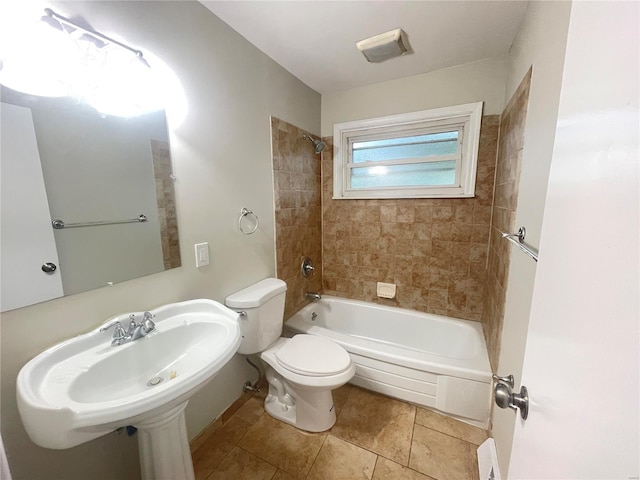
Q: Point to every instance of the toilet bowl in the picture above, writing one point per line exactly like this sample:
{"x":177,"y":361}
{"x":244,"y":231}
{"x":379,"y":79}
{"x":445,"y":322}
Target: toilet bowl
{"x":305,"y":369}
{"x":302,"y":371}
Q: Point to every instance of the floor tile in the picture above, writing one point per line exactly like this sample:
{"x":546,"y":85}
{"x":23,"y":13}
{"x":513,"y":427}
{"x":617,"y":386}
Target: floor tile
{"x":378,"y":423}
{"x":441,"y":456}
{"x":204,"y":435}
{"x":388,"y":470}
{"x":339,"y":460}
{"x":233,"y":408}
{"x":282,"y":445}
{"x":450,"y":426}
{"x":282,"y":475}
{"x":240,"y":464}
{"x":340,"y":396}
{"x":209,"y":455}
{"x":251,"y":410}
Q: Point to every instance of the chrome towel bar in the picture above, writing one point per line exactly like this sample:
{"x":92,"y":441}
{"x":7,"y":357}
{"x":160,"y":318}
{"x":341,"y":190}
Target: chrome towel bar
{"x":59,"y":224}
{"x":518,"y":240}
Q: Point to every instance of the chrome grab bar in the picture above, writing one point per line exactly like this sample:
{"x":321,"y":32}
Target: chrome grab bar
{"x":518,"y":240}
{"x":59,"y":224}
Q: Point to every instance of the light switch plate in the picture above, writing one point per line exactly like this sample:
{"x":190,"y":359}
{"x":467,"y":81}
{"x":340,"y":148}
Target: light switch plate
{"x":202,"y":254}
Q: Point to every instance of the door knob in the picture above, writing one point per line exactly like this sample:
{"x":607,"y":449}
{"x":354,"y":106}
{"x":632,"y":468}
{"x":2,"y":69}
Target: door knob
{"x":521,"y":401}
{"x":508,"y":379}
{"x":49,"y":267}
{"x":504,"y":398}
{"x":502,"y":395}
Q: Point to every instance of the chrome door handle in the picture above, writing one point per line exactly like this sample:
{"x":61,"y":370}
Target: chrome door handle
{"x":504,"y":398}
{"x":508,"y":379}
{"x":521,"y":401}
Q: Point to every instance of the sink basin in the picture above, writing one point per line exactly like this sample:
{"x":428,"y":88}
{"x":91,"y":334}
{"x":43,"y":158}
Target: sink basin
{"x":84,"y":387}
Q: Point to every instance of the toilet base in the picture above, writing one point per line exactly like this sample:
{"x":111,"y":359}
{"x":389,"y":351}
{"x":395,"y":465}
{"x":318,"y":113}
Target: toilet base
{"x":309,"y":410}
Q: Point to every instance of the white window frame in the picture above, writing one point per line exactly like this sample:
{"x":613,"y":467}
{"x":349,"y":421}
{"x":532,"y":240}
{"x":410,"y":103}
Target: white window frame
{"x":464,"y":118}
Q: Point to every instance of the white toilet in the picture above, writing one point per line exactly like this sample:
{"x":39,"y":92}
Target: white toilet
{"x":301,"y":371}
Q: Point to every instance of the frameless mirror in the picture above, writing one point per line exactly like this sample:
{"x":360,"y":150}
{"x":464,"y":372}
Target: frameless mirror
{"x":98,"y":174}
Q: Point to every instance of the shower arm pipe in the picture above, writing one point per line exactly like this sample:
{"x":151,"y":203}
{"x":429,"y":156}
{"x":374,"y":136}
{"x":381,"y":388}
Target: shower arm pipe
{"x":93,"y":33}
{"x":518,"y":240}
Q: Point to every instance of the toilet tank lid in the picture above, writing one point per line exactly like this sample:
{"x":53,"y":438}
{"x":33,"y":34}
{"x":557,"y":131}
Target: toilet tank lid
{"x":256,"y":294}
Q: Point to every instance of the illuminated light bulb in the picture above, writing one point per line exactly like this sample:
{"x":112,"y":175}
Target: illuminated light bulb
{"x":38,"y":63}
{"x":125,"y":86}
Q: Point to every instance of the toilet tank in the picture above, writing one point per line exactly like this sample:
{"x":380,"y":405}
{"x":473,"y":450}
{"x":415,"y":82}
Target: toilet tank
{"x":263,"y":303}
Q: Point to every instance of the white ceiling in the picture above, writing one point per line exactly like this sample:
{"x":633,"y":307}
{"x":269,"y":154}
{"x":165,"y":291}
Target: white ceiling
{"x":315,"y":40}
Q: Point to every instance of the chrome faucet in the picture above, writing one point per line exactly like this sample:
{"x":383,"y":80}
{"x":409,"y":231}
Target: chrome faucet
{"x":312,"y":296}
{"x":135,"y":331}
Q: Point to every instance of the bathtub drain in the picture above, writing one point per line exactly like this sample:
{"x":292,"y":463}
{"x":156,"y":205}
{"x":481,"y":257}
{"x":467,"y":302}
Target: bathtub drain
{"x":154,"y":381}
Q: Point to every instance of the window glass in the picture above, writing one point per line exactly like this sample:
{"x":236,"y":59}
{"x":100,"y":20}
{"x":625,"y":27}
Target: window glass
{"x":413,"y":174}
{"x":425,"y":154}
{"x":406,"y":147}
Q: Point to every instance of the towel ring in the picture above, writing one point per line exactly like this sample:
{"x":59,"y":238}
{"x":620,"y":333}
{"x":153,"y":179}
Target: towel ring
{"x":244,"y":213}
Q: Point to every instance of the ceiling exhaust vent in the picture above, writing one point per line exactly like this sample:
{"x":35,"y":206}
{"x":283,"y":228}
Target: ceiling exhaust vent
{"x":384,"y":46}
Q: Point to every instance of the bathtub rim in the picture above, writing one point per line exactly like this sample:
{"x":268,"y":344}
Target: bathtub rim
{"x":477,"y":368}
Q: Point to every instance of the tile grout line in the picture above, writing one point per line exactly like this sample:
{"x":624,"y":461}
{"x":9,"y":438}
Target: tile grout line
{"x":315,"y":459}
{"x":447,"y":434}
{"x":413,"y":431}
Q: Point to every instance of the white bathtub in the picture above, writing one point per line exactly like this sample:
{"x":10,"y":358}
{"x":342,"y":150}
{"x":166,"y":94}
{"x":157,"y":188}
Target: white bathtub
{"x":426,"y":359}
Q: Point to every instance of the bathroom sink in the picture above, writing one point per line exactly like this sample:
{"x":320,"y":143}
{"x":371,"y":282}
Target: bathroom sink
{"x":85,"y":387}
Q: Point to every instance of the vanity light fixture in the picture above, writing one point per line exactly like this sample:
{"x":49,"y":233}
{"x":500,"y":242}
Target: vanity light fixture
{"x":59,"y":58}
{"x":56,"y":20}
{"x":384,"y":46}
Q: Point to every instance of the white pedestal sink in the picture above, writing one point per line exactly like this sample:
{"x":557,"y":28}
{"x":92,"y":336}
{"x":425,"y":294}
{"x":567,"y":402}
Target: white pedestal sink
{"x":84,"y":388}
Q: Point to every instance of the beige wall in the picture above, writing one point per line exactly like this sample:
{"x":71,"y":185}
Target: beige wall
{"x":222,"y":160}
{"x":540,"y":44}
{"x":434,"y":250}
{"x":296,"y":171}
{"x":472,"y":82}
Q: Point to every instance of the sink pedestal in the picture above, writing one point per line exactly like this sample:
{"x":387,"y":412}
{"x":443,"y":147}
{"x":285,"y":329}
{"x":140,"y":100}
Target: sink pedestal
{"x":164,"y":446}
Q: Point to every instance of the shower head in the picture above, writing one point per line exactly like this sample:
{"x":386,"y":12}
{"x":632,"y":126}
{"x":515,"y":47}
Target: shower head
{"x":319,"y":144}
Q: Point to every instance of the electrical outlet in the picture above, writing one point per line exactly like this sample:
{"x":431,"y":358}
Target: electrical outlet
{"x":202,"y":254}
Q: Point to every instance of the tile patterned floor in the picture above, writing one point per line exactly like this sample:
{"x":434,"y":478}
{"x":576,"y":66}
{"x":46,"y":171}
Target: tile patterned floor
{"x":374,"y":438}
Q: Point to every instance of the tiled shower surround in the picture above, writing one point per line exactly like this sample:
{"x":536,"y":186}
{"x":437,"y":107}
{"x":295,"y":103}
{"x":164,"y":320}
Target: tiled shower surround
{"x":296,"y":173}
{"x":166,"y":198}
{"x":435,"y":250}
{"x":510,"y":148}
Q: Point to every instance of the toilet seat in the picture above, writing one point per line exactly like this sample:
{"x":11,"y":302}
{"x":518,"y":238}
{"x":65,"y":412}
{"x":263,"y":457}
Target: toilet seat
{"x":313,"y":356}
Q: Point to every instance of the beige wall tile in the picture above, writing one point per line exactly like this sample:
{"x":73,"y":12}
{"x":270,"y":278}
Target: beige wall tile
{"x":298,"y":211}
{"x":414,"y":232}
{"x":511,"y":142}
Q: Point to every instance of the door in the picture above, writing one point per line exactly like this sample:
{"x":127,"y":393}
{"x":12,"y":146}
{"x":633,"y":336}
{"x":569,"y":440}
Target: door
{"x":581,"y":362}
{"x":26,"y":234}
